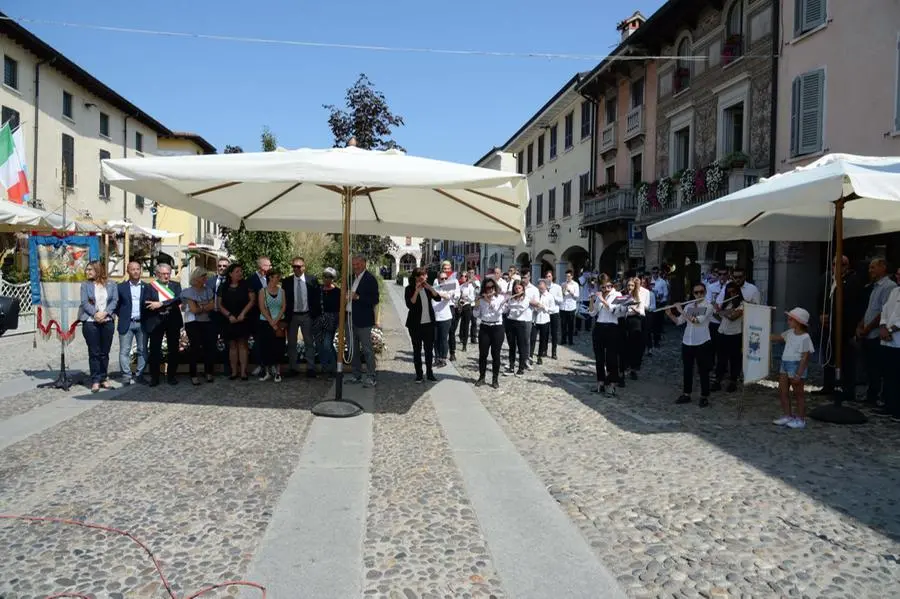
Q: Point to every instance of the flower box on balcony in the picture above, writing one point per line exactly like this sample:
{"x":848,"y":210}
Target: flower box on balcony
{"x":736,"y":160}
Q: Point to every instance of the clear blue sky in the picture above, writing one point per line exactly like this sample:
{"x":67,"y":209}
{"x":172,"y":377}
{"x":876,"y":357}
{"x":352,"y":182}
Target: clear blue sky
{"x":455,"y":107}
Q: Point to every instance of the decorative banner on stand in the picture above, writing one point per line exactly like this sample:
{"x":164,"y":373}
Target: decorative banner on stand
{"x":57,"y":266}
{"x":757,"y":347}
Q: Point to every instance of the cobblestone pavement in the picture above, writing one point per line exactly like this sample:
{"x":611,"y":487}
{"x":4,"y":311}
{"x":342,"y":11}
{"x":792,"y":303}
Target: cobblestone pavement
{"x":681,"y":501}
{"x":21,"y":357}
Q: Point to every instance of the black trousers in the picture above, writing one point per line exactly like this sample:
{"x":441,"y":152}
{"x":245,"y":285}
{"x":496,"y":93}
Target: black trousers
{"x":890,"y":359}
{"x":623,"y":347}
{"x":554,"y":332}
{"x":606,"y":352}
{"x":730,"y":357}
{"x":202,"y":340}
{"x":541,"y":331}
{"x":634,"y":342}
{"x":848,"y":369}
{"x":875,"y":374}
{"x":473,"y":328}
{"x":567,"y":322}
{"x":714,"y":337}
{"x":490,"y":340}
{"x":454,"y":323}
{"x":585,"y":321}
{"x":422,"y":336}
{"x":701,"y":354}
{"x":656,"y":326}
{"x":172,"y":333}
{"x":465,"y":323}
{"x":517,"y":338}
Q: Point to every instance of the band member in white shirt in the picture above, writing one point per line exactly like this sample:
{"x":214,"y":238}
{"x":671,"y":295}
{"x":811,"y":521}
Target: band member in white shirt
{"x":634,"y":327}
{"x":606,"y":314}
{"x":464,"y":305}
{"x":451,"y":284}
{"x":660,"y":287}
{"x":889,"y":332}
{"x":556,"y":293}
{"x":519,"y":315}
{"x":489,"y":310}
{"x":534,"y":298}
{"x":695,"y":345}
{"x":473,"y":322}
{"x":567,"y":310}
{"x":443,"y":316}
{"x":542,"y":321}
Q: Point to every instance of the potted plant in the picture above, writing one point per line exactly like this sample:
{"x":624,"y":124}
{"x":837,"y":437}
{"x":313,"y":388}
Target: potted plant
{"x":677,"y":176}
{"x":737,"y":159}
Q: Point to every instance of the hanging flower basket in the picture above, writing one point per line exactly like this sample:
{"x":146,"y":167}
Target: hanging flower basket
{"x":643,"y":196}
{"x":665,"y":191}
{"x":715,"y":177}
{"x":687,"y":184}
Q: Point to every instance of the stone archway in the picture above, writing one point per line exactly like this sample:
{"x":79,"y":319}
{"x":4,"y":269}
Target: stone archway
{"x":523,"y":262}
{"x":543,"y":261}
{"x":577,"y":258}
{"x":389,"y":262}
{"x":407,"y":263}
{"x":614,"y":258}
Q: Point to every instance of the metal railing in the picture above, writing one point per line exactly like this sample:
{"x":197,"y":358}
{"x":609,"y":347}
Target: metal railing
{"x":617,"y":204}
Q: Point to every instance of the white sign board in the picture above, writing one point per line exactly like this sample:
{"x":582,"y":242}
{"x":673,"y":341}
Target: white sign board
{"x":757,"y":346}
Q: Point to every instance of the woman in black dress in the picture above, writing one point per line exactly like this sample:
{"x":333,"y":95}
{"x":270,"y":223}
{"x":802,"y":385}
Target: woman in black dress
{"x":236,"y":303}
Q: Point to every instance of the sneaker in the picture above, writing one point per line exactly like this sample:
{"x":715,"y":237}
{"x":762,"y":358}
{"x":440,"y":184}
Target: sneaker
{"x":783,"y":421}
{"x":683,"y":399}
{"x":256,"y":371}
{"x":479,"y":382}
{"x":277,"y":378}
{"x":369,"y":383}
{"x":797,"y":423}
{"x":509,"y":371}
{"x":264,"y":376}
{"x":704,"y":402}
{"x":520,"y":372}
{"x":611,"y":392}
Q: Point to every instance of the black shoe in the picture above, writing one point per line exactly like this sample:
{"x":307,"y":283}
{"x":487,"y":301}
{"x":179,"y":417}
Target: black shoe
{"x":172,"y":382}
{"x":731,"y":388}
{"x":717,"y":386}
{"x":634,"y":375}
{"x":520,"y":372}
{"x":419,"y":379}
{"x":621,"y":383}
{"x":495,"y":384}
{"x":453,"y":357}
{"x":601,"y":388}
{"x":153,"y":383}
{"x":822,"y":392}
{"x":430,"y":376}
{"x":553,"y":357}
{"x":704,"y":402}
{"x":479,"y":382}
{"x":509,"y":371}
{"x":245,"y":378}
{"x":540,"y":361}
{"x":683,"y":399}
{"x":310,"y":374}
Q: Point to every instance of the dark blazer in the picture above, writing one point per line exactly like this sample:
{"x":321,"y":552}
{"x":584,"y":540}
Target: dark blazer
{"x":414,"y":316}
{"x":170,"y":313}
{"x":124,"y":312}
{"x":87,"y":309}
{"x":313,"y":296}
{"x":364,"y":307}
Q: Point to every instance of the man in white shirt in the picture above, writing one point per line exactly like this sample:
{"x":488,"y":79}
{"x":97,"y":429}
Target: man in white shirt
{"x":555,"y":292}
{"x":660,"y":288}
{"x":533,"y":294}
{"x":868,"y":330}
{"x":713,"y":289}
{"x":569,"y":307}
{"x":889,"y":332}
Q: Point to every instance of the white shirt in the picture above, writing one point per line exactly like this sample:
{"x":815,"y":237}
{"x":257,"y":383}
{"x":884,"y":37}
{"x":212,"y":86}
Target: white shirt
{"x":300,"y":303}
{"x":881,"y":290}
{"x":640,"y":308}
{"x":555,"y":292}
{"x":135,"y":289}
{"x":442,"y":311}
{"x":532,"y":293}
{"x":520,"y":309}
{"x":651,"y":304}
{"x":795,"y":346}
{"x":890,"y":316}
{"x":353,"y":288}
{"x":696,"y":333}
{"x":467,"y":294}
{"x":608,"y":315}
{"x":542,"y":314}
{"x":735,"y":327}
{"x":648,"y":301}
{"x":661,"y":288}
{"x":489,"y":312}
{"x":570,"y":293}
{"x":712,"y":293}
{"x":101,"y":297}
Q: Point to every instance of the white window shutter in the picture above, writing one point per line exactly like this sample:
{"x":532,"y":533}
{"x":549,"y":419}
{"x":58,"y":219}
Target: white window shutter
{"x":812,"y":104}
{"x":814,"y":14}
{"x":795,"y":116}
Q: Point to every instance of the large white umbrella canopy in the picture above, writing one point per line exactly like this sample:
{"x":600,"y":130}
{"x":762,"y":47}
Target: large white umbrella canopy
{"x":799,"y":205}
{"x":302,"y":190}
{"x":18,"y":216}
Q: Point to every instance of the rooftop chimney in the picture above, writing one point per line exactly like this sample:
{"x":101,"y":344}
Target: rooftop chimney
{"x":631,"y":24}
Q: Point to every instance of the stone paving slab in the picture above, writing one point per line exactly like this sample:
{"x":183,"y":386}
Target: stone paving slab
{"x":21,"y":357}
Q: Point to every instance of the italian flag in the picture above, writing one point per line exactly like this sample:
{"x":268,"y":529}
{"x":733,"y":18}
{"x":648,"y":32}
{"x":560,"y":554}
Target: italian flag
{"x":12,"y":165}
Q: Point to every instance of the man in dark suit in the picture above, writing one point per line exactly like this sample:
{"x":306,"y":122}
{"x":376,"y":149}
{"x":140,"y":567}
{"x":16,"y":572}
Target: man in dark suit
{"x":854,"y":306}
{"x":258,"y":281}
{"x":303,"y":305}
{"x":364,"y":295}
{"x":132,"y":296}
{"x":217,"y":319}
{"x":161,"y":316}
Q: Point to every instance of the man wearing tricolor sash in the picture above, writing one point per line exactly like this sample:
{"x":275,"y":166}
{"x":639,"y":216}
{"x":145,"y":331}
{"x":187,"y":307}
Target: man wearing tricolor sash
{"x":161,"y":317}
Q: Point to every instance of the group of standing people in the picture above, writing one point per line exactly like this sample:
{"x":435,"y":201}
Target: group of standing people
{"x":225,"y":307}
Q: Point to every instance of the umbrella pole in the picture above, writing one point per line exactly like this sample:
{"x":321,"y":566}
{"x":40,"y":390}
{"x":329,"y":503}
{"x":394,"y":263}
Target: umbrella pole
{"x":340,"y":407}
{"x":836,"y":413}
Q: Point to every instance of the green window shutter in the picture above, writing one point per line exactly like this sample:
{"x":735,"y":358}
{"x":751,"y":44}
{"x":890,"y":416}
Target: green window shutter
{"x":812,"y":105}
{"x":813,"y":14}
{"x":795,"y":116}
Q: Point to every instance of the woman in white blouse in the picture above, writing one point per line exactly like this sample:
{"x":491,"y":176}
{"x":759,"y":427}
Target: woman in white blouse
{"x":696,"y":345}
{"x":568,"y":308}
{"x":489,"y":310}
{"x":605,"y":312}
{"x":633,"y":351}
{"x":519,"y":316}
{"x":443,"y":320}
{"x":729,"y":344}
{"x":99,"y":299}
{"x":542,"y":317}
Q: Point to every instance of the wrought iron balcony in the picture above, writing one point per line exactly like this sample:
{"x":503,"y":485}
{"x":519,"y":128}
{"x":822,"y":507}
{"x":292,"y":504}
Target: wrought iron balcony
{"x":634,"y":122}
{"x":619,"y":204}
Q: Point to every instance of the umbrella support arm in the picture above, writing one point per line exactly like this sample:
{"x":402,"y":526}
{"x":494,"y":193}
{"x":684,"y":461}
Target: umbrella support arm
{"x":340,"y":407}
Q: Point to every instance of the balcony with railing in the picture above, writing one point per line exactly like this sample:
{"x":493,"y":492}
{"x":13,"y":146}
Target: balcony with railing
{"x":608,"y":137}
{"x":634,"y":122}
{"x":616,"y":204}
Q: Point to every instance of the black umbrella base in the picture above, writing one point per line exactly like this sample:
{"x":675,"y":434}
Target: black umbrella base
{"x":838,"y":414}
{"x":337,"y":408}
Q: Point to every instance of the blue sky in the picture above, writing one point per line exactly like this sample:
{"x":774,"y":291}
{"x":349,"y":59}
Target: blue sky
{"x":455,"y":107}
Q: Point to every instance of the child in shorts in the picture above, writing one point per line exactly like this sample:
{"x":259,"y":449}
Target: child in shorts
{"x":798,"y":347}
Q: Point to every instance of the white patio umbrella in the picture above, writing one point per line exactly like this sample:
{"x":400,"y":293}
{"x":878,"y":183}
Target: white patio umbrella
{"x":16,"y":217}
{"x":836,"y":197}
{"x":335,"y":190}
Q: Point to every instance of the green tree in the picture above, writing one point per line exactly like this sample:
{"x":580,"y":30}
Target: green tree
{"x":246,"y":246}
{"x":366,"y":117}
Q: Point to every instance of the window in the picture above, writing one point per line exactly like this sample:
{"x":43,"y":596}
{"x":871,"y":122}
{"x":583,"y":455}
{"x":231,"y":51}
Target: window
{"x":138,"y":141}
{"x":567,"y":199}
{"x":808,"y":14}
{"x":68,"y":161}
{"x":528,"y":213}
{"x":637,"y":93}
{"x":807,"y":110}
{"x":733,"y":129}
{"x":540,"y":144}
{"x":408,"y":241}
{"x":586,"y":120}
{"x":10,"y":72}
{"x":530,"y":159}
{"x":734,"y":32}
{"x":637,"y":169}
{"x":67,"y":105}
{"x":554,"y":130}
{"x":551,"y":204}
{"x":104,"y":187}
{"x":539,"y":209}
{"x":520,"y":163}
{"x":10,"y":117}
{"x":610,"y":174}
{"x":104,"y":124}
{"x":682,"y":78}
{"x":681,"y":149}
{"x":570,"y":129}
{"x":610,"y":106}
{"x":584,"y":186}
{"x":139,"y":202}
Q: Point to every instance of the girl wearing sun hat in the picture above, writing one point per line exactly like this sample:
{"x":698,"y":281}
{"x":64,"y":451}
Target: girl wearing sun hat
{"x":798,"y":347}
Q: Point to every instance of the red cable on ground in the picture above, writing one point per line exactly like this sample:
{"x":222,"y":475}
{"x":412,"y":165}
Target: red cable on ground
{"x":146,"y":549}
